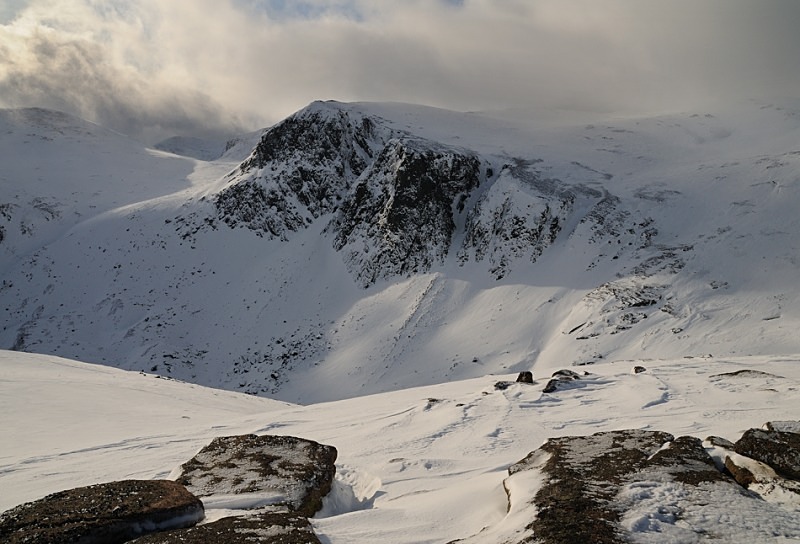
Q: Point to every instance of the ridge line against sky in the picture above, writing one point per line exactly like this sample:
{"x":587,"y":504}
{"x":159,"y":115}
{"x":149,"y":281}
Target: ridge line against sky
{"x":209,"y":68}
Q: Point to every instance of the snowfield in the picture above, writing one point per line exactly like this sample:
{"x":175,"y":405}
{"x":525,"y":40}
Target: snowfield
{"x":416,"y":465}
{"x":368,"y":272}
{"x":299,"y":257}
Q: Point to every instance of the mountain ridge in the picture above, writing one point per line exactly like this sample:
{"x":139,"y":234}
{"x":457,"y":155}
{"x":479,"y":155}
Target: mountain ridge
{"x":386,"y":246}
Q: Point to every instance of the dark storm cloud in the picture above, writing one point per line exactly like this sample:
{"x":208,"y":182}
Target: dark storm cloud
{"x":148,"y":68}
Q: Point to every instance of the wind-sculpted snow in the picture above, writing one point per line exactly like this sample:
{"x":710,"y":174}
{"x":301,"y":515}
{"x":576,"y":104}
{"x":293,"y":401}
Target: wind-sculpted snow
{"x":432,"y":464}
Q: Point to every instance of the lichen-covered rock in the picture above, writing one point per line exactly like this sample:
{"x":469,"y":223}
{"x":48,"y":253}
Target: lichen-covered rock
{"x":604,"y":487}
{"x":779,"y":450}
{"x":584,"y":475}
{"x":286,"y":470}
{"x":264,"y":528}
{"x":103,"y":513}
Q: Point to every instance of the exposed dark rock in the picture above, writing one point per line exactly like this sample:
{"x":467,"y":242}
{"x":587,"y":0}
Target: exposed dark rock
{"x":103,"y":513}
{"x":264,"y":528}
{"x":685,"y":460}
{"x":294,"y":472}
{"x":525,"y":377}
{"x":561,"y":380}
{"x":581,"y":499}
{"x":779,"y":450}
{"x":502,"y":385}
{"x":746,"y":374}
{"x":784,"y":426}
{"x":519,"y":217}
{"x":584,"y":474}
{"x":606,"y":487}
{"x":720,"y":442}
{"x":399,"y":218}
{"x":743,"y":475}
{"x":639,"y":369}
{"x":566,"y":373}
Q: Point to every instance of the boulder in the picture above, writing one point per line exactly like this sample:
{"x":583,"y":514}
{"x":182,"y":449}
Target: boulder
{"x":104,"y":513}
{"x":638,"y":369}
{"x":285,"y":471}
{"x":780,"y":450}
{"x":263,"y":528}
{"x":525,"y":377}
{"x":561,"y":379}
{"x":719,"y":442}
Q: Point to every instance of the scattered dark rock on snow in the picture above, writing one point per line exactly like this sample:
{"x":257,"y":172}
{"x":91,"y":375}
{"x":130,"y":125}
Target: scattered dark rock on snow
{"x":298,"y":473}
{"x":525,"y":377}
{"x":502,"y":385}
{"x":779,"y":450}
{"x":264,"y":528}
{"x":746,"y":373}
{"x":103,"y":513}
{"x":560,"y":380}
{"x":639,"y":369}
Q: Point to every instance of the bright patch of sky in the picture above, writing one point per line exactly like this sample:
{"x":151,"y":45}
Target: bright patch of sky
{"x":286,"y":10}
{"x":9,"y":9}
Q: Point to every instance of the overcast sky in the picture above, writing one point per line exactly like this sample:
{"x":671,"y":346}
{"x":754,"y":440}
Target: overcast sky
{"x":153,"y":68}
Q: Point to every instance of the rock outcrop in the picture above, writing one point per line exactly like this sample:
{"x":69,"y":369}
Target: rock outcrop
{"x":561,"y":379}
{"x":301,"y":169}
{"x":641,"y":486}
{"x":103,"y":513}
{"x":280,"y":471}
{"x":263,"y":528}
{"x":765,"y":461}
{"x":272,"y":483}
{"x":400,"y":217}
{"x":780,"y":450}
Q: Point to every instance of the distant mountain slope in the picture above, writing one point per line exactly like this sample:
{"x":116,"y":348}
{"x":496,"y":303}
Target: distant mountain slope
{"x":379,"y":246}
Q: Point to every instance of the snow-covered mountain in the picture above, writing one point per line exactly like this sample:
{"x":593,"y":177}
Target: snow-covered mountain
{"x":361,"y":248}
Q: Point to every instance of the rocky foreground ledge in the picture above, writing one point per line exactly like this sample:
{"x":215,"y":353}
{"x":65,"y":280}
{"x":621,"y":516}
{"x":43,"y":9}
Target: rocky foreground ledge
{"x":608,"y":488}
{"x":271,"y":484}
{"x":648,"y":486}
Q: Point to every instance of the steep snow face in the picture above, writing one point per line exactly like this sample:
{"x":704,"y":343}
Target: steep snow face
{"x":380,"y":246}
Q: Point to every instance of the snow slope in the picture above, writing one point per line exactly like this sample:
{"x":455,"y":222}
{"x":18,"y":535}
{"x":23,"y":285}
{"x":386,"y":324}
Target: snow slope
{"x":416,"y":465}
{"x":299,"y":265}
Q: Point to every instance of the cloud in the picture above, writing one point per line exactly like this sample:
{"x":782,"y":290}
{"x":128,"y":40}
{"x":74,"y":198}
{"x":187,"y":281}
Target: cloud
{"x":152,"y":68}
